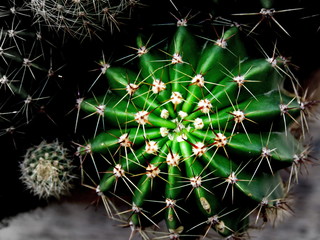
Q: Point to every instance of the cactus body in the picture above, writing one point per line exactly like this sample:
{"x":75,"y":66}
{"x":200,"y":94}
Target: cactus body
{"x":199,"y":131}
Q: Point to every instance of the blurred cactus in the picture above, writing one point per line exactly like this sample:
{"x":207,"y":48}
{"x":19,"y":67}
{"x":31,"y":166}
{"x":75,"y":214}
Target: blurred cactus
{"x":78,"y":18}
{"x":27,"y":67}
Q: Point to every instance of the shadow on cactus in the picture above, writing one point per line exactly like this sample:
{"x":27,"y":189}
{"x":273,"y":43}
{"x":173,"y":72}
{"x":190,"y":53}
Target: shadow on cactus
{"x":196,"y":137}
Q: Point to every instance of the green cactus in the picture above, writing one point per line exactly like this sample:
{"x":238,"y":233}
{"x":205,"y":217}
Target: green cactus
{"x":47,"y":170}
{"x":198,"y":135}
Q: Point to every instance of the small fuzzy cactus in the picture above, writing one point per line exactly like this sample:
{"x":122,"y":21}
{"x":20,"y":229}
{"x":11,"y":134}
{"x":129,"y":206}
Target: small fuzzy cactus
{"x":47,"y":170}
{"x":196,"y":136}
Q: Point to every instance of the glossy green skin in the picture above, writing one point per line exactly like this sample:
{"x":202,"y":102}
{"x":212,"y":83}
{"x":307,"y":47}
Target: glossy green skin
{"x":262,"y":128}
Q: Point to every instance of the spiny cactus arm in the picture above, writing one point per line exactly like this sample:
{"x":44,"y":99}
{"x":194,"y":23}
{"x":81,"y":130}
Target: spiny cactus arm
{"x":206,"y":201}
{"x":174,"y":188}
{"x":229,"y":91}
{"x":149,"y":185}
{"x":225,"y":52}
{"x":154,"y":71}
{"x":117,"y":112}
{"x":111,"y":177}
{"x":275,"y":145}
{"x":151,"y":62}
{"x":261,"y":186}
{"x":127,"y":83}
{"x":115,"y":138}
{"x":173,"y":214}
{"x":214,"y":58}
{"x":246,"y":80}
{"x":173,"y":160}
{"x":219,"y":215}
{"x":240,"y":160}
{"x":130,"y":162}
{"x":184,"y":52}
{"x":259,"y":112}
{"x":107,"y":181}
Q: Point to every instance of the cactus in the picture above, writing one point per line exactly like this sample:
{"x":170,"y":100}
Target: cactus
{"x":27,"y":67}
{"x":80,"y":19}
{"x":47,"y":170}
{"x":196,"y":136}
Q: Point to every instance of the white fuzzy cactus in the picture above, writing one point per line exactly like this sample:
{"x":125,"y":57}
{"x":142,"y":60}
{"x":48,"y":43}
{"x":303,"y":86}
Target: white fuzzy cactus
{"x":46,"y":170}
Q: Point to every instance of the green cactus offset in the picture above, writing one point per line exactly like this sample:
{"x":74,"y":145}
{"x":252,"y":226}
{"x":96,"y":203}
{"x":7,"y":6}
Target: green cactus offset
{"x":196,"y":136}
